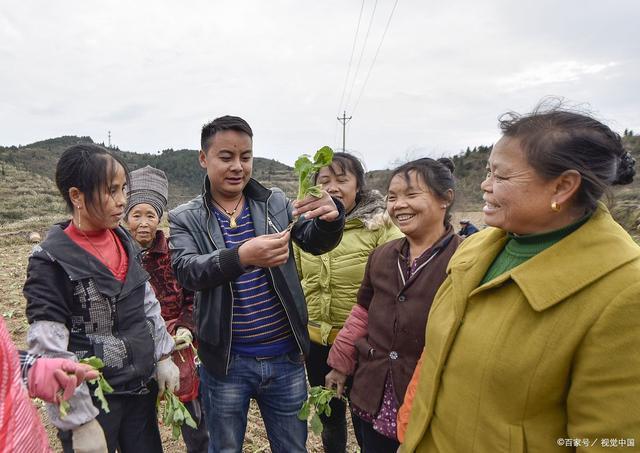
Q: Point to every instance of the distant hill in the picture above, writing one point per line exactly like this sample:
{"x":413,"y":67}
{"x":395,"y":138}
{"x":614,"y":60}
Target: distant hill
{"x":185,"y":177}
{"x":181,"y":166}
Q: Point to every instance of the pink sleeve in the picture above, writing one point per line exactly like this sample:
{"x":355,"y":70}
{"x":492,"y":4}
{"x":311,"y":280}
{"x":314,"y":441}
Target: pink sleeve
{"x":343,"y":354}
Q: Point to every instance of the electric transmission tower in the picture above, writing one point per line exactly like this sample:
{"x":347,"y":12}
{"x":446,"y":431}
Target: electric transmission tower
{"x":344,"y":119}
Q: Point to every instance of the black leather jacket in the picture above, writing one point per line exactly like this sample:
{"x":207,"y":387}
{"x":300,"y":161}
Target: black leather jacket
{"x":203,"y":264}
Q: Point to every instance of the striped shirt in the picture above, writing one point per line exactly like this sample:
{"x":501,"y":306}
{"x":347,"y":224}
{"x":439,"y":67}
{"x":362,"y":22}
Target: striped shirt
{"x":260,"y":327}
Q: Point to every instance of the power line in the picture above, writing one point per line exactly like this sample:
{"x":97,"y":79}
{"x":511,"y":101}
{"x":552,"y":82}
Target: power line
{"x":364,"y":45}
{"x":373,"y":62}
{"x":353,"y":51}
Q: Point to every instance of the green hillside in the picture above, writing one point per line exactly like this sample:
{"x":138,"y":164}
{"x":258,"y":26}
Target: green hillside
{"x":181,"y":166}
{"x":27,"y":190}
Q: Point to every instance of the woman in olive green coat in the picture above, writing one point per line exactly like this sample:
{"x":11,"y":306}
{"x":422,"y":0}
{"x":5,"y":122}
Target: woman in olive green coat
{"x":533,"y":340}
{"x":331,"y":281}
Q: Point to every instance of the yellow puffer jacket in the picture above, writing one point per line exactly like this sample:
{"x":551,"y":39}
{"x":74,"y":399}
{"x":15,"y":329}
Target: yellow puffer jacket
{"x":331,"y":281}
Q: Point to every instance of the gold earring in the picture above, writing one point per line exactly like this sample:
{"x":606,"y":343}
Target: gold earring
{"x":555,"y":207}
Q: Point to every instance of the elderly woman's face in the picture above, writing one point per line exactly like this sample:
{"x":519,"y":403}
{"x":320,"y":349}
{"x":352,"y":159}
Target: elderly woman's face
{"x":516,"y":198}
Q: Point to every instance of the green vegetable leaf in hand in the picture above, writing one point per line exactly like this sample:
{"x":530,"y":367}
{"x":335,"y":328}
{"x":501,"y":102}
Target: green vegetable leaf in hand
{"x":319,"y":399}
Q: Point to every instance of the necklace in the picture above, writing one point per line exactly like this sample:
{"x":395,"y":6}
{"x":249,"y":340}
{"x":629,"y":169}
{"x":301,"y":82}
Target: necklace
{"x":102,"y":258}
{"x":232,"y":215}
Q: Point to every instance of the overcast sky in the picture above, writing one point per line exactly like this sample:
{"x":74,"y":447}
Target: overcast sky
{"x":153,"y":72}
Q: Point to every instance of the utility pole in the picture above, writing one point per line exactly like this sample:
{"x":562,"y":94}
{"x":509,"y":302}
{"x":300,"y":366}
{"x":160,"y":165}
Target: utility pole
{"x":344,"y":120}
{"x":109,"y":139}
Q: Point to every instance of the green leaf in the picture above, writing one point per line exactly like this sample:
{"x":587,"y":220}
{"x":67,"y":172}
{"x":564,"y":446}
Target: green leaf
{"x":106,"y":387}
{"x":303,"y":413}
{"x":100,"y":395}
{"x":93,"y":361}
{"x":316,"y":424}
{"x":327,"y":410}
{"x":64,"y":407}
{"x":305,"y":169}
{"x":188,"y":419}
{"x":315,"y":191}
{"x":323,"y":156}
{"x":175,"y":414}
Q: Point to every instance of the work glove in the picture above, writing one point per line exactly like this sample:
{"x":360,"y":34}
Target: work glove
{"x":89,"y":438}
{"x":167,"y":375}
{"x":183,"y":338}
{"x":54,"y":380}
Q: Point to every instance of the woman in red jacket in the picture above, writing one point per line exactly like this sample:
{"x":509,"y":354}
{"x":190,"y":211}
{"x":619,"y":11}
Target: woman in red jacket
{"x":382,"y":339}
{"x":147,"y":200}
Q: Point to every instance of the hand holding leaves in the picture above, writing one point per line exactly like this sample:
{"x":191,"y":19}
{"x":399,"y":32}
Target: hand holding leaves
{"x":175,"y":413}
{"x":319,"y":399}
{"x":102,"y":386}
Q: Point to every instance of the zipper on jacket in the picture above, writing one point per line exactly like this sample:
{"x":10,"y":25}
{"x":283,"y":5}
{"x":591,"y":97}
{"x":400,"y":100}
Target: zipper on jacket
{"x":273,"y":280}
{"x":228,"y":361}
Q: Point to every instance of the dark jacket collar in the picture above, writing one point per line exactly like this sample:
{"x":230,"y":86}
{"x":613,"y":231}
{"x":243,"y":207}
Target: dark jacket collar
{"x":253,"y":190}
{"x":78,"y":264}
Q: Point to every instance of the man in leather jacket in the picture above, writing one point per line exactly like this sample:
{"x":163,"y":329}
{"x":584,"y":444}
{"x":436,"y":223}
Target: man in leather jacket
{"x":231,"y":245}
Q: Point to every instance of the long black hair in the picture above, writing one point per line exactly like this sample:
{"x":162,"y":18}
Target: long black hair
{"x":90,"y":169}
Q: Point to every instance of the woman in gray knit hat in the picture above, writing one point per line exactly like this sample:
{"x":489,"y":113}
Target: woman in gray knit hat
{"x":147,"y":200}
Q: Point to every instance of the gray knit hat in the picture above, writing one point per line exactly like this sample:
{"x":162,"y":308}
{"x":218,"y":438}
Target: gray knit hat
{"x":148,"y":185}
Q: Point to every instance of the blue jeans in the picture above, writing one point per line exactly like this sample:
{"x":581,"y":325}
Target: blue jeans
{"x":278,"y":385}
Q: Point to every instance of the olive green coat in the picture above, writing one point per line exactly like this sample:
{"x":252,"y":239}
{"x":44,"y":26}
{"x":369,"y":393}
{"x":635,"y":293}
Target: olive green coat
{"x":549,"y":350}
{"x":331,"y":281}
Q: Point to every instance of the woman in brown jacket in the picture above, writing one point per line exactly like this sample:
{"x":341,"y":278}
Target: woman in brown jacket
{"x":384,"y":334}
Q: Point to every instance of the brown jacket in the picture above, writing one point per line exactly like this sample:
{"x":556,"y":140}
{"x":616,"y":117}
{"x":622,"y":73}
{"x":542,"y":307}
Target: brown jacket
{"x":398,"y":313}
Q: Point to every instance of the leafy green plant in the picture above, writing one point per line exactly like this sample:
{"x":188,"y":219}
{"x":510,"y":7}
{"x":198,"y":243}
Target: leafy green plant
{"x":305,"y":168}
{"x":319,"y":399}
{"x":175,"y":414}
{"x":101,"y":386}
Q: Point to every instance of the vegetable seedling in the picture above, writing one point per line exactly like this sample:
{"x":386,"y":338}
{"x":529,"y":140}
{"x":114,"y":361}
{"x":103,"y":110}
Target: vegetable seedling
{"x":102,"y":386}
{"x":319,"y":399}
{"x":175,"y":413}
{"x":306,"y":168}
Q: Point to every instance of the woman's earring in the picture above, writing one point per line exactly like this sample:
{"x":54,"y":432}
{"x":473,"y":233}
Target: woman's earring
{"x":555,"y":207}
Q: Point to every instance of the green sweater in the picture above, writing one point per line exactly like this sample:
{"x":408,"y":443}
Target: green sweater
{"x":519,"y":249}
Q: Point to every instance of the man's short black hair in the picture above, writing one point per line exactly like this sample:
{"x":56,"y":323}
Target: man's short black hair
{"x":224,"y":123}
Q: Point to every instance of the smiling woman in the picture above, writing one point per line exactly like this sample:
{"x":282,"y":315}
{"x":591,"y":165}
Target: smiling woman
{"x":383,"y":337}
{"x":533,"y":336}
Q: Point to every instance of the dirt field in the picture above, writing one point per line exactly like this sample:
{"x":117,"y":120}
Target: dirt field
{"x":14,"y":252}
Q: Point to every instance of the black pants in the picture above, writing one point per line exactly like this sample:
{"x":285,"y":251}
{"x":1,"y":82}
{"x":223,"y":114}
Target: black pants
{"x":196,"y":440}
{"x":334,"y":434}
{"x":131,"y":425}
{"x":372,"y":440}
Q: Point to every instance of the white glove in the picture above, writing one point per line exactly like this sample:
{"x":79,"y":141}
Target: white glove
{"x":183,"y":338}
{"x":89,"y":438}
{"x":167,"y":375}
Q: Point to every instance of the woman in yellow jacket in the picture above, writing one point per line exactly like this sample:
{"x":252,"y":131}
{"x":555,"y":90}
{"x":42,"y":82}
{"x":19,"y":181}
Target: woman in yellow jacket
{"x":533,"y":340}
{"x":331,"y":281}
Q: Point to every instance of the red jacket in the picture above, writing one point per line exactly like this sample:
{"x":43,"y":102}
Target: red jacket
{"x":175,"y":301}
{"x":20,"y":428}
